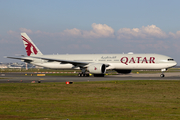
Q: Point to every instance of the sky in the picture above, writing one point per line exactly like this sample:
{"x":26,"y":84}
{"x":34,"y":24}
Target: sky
{"x":91,"y":27}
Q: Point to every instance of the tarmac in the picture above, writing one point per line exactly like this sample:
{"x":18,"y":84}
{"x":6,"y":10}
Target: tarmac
{"x":22,"y":78}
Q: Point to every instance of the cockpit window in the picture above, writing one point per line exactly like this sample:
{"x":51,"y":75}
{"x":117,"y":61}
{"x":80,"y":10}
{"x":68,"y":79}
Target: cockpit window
{"x":170,"y":59}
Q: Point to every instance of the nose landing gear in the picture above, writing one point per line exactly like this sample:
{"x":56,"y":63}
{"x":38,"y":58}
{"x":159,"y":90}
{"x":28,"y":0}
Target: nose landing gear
{"x":163,"y":70}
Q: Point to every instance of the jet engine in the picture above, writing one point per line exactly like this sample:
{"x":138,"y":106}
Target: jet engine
{"x":97,"y":68}
{"x":123,"y":71}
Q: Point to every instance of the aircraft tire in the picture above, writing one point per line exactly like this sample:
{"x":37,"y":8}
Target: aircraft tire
{"x":83,"y":75}
{"x":162,"y":75}
{"x":79,"y":75}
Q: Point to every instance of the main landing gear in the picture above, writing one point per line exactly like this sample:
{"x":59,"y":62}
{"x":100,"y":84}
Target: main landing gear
{"x":83,"y":74}
{"x":163,"y":70}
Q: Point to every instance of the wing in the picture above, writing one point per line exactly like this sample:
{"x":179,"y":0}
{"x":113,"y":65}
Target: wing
{"x":64,"y":61}
{"x":75,"y":63}
{"x":28,"y":60}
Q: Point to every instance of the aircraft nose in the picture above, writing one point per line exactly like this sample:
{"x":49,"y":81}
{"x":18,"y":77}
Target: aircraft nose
{"x":175,"y":63}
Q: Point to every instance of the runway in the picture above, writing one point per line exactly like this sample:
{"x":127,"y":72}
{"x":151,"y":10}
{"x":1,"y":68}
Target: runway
{"x":20,"y":77}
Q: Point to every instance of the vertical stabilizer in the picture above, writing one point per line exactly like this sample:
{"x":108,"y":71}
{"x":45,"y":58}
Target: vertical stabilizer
{"x":30,"y":47}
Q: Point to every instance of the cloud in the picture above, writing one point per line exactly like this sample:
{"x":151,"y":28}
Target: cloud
{"x":17,"y":34}
{"x":3,"y":41}
{"x":28,"y":31}
{"x":72,"y":32}
{"x":148,"y":32}
{"x":14,"y":34}
{"x":176,"y":46}
{"x":175,"y":35}
{"x":98,"y":31}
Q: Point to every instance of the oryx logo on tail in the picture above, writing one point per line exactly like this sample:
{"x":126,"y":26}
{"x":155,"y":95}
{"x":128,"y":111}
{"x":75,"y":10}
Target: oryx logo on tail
{"x":30,"y":47}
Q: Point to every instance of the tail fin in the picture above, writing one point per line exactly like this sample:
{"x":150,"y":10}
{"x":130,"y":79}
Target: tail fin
{"x":30,"y":47}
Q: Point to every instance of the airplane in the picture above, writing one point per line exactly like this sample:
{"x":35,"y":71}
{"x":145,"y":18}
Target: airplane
{"x":95,"y":64}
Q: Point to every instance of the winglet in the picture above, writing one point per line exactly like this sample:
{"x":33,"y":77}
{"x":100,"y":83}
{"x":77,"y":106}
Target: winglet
{"x":30,"y":47}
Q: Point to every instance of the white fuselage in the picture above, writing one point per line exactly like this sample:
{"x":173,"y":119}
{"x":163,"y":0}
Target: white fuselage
{"x":115,"y":61}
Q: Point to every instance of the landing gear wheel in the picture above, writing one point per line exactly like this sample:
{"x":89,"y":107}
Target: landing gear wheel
{"x":83,"y":75}
{"x":80,"y":74}
{"x":162,"y":75}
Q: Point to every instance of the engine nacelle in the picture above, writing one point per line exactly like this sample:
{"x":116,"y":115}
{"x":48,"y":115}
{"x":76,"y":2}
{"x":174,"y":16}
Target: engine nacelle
{"x":123,"y":71}
{"x":97,"y":68}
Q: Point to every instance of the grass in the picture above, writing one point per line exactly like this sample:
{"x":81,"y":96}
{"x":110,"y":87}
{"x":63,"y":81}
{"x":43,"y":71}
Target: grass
{"x":91,"y":100}
{"x":34,"y":70}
